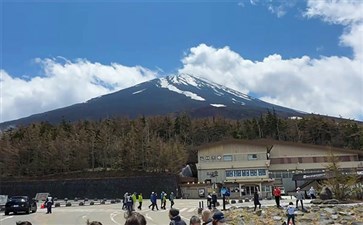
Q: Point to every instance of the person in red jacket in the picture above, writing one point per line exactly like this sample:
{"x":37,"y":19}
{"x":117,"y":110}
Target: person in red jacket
{"x":277,"y":194}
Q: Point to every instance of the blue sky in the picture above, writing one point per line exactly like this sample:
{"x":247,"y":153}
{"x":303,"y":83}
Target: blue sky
{"x":134,"y":41}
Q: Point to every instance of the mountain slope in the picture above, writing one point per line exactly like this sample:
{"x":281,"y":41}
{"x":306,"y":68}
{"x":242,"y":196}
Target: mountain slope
{"x":173,"y":94}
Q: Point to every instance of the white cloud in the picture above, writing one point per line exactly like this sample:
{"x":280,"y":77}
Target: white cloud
{"x":348,"y":13}
{"x":328,"y":85}
{"x":64,"y":84}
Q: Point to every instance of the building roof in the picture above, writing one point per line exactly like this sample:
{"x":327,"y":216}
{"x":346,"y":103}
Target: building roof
{"x":269,"y":142}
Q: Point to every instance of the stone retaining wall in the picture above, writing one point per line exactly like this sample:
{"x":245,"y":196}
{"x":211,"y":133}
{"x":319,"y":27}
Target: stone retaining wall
{"x":92,"y":188}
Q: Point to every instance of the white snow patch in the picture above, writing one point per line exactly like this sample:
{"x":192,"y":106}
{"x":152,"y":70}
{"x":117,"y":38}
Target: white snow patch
{"x":185,"y":79}
{"x":236,"y":101}
{"x":295,"y":118}
{"x":164,"y":84}
{"x":137,"y":92}
{"x":218,"y":105}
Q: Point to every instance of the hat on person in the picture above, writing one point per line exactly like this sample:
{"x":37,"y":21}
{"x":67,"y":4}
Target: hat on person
{"x":219,"y":216}
{"x":297,"y":188}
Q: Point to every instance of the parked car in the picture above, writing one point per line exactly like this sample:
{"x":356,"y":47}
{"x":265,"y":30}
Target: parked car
{"x":17,"y":204}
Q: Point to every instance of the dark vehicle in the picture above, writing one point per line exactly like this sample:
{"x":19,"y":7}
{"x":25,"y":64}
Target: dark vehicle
{"x":17,"y":204}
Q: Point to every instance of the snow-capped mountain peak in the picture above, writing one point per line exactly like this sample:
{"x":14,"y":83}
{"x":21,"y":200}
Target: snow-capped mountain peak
{"x":162,"y":96}
{"x":190,"y":86}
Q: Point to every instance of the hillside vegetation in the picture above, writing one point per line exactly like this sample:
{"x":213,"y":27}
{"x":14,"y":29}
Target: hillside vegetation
{"x":152,"y":144}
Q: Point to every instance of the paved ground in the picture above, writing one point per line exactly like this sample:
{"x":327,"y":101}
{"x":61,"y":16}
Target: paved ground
{"x":112,"y":214}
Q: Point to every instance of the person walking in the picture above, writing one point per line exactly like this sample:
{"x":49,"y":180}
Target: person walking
{"x":140,"y":199}
{"x":151,"y":199}
{"x":124,"y":200}
{"x":256,"y":200}
{"x":171,"y":199}
{"x":299,"y":197}
{"x":175,"y":218}
{"x":154,"y":201}
{"x":163,"y":201}
{"x":49,"y":202}
{"x":277,"y":194}
{"x":291,"y":213}
{"x":129,"y":204}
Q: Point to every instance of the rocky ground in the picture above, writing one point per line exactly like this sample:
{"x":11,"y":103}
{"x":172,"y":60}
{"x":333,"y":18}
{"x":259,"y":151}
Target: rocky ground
{"x":321,"y":213}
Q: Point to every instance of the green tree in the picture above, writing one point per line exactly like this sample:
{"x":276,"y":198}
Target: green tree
{"x":340,"y":181}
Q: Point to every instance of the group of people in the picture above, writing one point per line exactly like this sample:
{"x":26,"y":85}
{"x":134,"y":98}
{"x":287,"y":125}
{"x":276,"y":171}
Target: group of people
{"x":212,"y":200}
{"x":299,"y":195}
{"x":163,"y":200}
{"x":207,"y":218}
{"x":129,"y":201}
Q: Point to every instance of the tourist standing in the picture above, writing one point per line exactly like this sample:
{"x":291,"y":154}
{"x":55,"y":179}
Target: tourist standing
{"x":194,"y":220}
{"x":134,"y":198}
{"x":209,"y":201}
{"x":207,"y":217}
{"x":214,"y":199}
{"x":291,"y":213}
{"x":312,"y":193}
{"x":299,"y":197}
{"x":48,"y":203}
{"x":135,"y":219}
{"x":175,"y":219}
{"x":218,"y":218}
{"x":277,"y":194}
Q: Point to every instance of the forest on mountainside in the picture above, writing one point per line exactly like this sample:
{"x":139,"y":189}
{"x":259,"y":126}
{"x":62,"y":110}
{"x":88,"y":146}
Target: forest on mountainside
{"x":152,"y":144}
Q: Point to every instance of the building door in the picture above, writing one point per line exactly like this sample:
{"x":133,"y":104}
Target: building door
{"x":248,"y":190}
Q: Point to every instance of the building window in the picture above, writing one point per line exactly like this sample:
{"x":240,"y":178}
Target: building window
{"x":252,"y":156}
{"x":261,"y":172}
{"x":300,"y":160}
{"x":253,"y":173}
{"x":201,"y":158}
{"x":229,"y":173}
{"x":213,"y":157}
{"x":245,"y":173}
{"x":219,"y":157}
{"x":227,"y":158}
{"x":237,"y":173}
{"x":207,"y":158}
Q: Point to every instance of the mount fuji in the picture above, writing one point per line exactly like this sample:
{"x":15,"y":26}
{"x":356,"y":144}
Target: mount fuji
{"x":164,"y":96}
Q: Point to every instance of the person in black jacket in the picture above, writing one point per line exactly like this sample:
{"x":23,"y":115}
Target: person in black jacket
{"x":175,"y":219}
{"x":48,"y":203}
{"x":214,"y":199}
{"x":256,"y":200}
